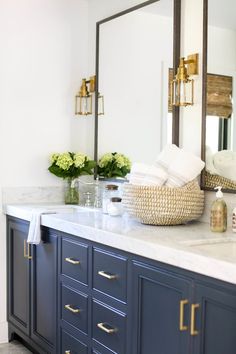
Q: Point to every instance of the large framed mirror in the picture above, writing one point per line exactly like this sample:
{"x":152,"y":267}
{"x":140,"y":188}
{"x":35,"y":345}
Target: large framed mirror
{"x":135,"y":54}
{"x":219,"y":95}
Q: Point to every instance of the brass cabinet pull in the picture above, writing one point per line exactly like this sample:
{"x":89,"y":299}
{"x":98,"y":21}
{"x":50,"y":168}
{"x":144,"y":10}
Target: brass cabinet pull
{"x":182,"y":327}
{"x":105,"y":327}
{"x":193,"y":331}
{"x":27,"y":250}
{"x":72,"y":261}
{"x":107,"y":275}
{"x":71,"y":309}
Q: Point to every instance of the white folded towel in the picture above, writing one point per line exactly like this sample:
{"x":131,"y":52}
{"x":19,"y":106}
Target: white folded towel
{"x":155,"y":176}
{"x":142,"y":174}
{"x":184,"y":169}
{"x":225,"y":164}
{"x":34,"y":234}
{"x":167,"y":156}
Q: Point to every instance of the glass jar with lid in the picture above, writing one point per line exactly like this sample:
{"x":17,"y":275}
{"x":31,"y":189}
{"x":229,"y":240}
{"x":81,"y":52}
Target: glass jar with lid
{"x":110,"y":191}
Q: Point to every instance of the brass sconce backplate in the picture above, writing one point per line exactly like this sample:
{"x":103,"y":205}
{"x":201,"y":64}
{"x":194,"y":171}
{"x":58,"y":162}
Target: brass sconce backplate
{"x":192,"y":66}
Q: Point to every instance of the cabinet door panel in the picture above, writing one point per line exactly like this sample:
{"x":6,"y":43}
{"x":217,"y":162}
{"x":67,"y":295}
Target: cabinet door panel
{"x":18,"y":276}
{"x":44,"y":292}
{"x":215,"y":321}
{"x":156,"y":312}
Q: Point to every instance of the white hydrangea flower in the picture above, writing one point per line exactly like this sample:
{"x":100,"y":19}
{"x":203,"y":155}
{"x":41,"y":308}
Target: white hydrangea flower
{"x":64,"y":161}
{"x":54,"y":157}
{"x":79,"y":160}
{"x":105,"y":160}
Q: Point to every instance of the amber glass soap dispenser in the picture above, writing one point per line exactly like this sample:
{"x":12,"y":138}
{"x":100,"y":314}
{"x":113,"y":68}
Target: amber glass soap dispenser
{"x":219,"y":213}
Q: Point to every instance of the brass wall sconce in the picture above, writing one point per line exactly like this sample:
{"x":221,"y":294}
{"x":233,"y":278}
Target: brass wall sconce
{"x":182,"y":87}
{"x":84,"y":99}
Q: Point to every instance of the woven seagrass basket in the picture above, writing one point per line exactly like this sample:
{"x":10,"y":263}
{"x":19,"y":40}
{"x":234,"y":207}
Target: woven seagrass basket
{"x":163,"y":205}
{"x":212,"y":181}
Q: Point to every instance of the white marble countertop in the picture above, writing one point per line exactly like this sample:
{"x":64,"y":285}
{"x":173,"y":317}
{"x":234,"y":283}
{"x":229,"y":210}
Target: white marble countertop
{"x":192,"y":247}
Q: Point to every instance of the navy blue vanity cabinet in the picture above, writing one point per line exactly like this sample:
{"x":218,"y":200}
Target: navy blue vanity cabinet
{"x":160,"y":311}
{"x":32,"y":287}
{"x":19,"y":269}
{"x":44,"y":291}
{"x":213,"y":316}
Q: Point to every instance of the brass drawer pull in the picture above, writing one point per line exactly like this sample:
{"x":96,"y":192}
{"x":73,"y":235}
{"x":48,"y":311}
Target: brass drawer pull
{"x":71,"y":309}
{"x":182,"y":327}
{"x":105,"y":327}
{"x":67,"y":352}
{"x":27,"y":250}
{"x":72,"y":261}
{"x":107,"y":275}
{"x":193,"y":331}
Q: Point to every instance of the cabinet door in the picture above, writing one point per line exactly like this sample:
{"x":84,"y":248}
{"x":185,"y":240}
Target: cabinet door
{"x":18,"y":275}
{"x":215,"y":321}
{"x":160,"y":327}
{"x":44,"y":291}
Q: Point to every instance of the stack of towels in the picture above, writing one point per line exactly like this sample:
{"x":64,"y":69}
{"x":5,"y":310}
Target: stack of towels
{"x":174,"y":167}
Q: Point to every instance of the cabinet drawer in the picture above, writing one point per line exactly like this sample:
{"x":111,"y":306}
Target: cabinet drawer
{"x":110,"y":274}
{"x":71,"y":345}
{"x":74,"y":308}
{"x":109,"y":327}
{"x":75,"y":260}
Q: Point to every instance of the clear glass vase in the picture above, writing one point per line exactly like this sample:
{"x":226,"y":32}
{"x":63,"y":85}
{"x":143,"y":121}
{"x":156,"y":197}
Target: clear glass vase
{"x":71,"y":191}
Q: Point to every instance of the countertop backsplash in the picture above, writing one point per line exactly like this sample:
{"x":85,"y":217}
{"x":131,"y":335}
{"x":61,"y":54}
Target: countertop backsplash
{"x":33,"y":195}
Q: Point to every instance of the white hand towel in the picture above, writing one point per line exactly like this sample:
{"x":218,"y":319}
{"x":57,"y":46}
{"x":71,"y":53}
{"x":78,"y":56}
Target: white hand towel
{"x":168,"y":155}
{"x":142,"y":174}
{"x":225,"y":164}
{"x":138,"y":173}
{"x":155,"y":177}
{"x":34,"y":235}
{"x":184,"y":169}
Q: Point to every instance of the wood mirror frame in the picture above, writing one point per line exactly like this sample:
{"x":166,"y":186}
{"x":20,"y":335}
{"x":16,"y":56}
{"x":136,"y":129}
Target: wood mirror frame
{"x":176,"y":56}
{"x":204,"y":101}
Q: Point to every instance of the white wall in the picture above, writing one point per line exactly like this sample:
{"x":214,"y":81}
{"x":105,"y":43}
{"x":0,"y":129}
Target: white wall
{"x":136,"y":110}
{"x":44,"y":47}
{"x":191,"y":42}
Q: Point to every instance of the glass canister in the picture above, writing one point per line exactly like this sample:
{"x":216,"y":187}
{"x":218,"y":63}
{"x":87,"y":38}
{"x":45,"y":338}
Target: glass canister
{"x":114,"y":207}
{"x":110,"y":191}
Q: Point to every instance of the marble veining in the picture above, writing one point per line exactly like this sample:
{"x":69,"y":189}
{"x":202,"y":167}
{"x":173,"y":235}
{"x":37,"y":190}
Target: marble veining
{"x":174,"y":245}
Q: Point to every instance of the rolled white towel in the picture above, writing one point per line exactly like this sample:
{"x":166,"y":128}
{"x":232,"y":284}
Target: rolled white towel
{"x":225,"y":164}
{"x":184,"y":169}
{"x":168,"y":155}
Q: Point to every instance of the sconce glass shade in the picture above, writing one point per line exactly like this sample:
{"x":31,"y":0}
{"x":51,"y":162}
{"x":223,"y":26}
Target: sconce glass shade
{"x":100,"y":105}
{"x":182,"y":92}
{"x":83,"y":100}
{"x":83,"y":105}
